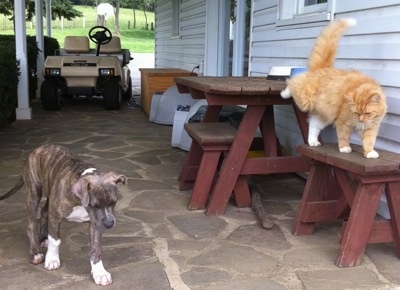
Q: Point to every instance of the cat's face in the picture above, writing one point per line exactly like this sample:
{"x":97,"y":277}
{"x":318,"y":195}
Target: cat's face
{"x":367,"y":104}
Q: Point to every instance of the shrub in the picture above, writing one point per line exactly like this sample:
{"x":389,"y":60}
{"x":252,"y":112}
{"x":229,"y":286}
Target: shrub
{"x":50,"y":46}
{"x":8,"y":83}
{"x":9,"y":72}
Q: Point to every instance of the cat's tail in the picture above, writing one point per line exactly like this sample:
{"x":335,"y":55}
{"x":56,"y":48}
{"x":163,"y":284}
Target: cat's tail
{"x":324,"y":51}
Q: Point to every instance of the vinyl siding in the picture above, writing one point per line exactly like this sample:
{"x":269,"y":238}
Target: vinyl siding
{"x":187,"y":50}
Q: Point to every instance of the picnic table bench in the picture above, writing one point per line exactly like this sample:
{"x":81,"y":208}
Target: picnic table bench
{"x":349,"y":187}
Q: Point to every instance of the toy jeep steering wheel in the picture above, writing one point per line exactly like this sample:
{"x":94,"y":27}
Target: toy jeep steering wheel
{"x":100,"y":35}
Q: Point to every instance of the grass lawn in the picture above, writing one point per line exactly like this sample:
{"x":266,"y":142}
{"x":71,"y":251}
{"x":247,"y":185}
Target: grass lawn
{"x":136,"y":40}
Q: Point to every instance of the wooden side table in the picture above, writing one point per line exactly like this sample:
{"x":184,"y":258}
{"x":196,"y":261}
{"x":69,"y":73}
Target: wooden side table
{"x":348,"y":187}
{"x":155,"y":80}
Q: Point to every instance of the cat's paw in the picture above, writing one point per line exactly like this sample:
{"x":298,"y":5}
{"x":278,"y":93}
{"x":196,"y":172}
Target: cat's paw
{"x":345,"y":149}
{"x":314,"y":143}
{"x":286,"y":93}
{"x":371,"y":154}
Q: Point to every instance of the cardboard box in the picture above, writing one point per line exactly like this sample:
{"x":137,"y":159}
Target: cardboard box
{"x":157,"y":80}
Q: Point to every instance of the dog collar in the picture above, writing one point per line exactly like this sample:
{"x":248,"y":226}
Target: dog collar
{"x":88,"y":170}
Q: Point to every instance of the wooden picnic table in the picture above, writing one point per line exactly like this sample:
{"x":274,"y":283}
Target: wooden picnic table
{"x":259,"y":95}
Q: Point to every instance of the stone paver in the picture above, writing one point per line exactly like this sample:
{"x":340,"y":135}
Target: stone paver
{"x":157,"y":243}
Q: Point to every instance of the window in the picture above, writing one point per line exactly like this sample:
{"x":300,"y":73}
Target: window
{"x":309,"y":6}
{"x":303,"y":12}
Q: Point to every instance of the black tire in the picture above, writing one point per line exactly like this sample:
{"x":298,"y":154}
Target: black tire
{"x":51,"y":99}
{"x":112,"y":95}
{"x":128,"y":93}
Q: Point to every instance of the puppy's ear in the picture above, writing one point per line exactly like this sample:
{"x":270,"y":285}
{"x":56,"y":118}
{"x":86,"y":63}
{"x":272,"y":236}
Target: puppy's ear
{"x":114,"y":177}
{"x":122,"y":179}
{"x":80,"y":189}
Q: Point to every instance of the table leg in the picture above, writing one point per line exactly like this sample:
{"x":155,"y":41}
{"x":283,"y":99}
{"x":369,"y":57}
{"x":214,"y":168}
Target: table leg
{"x":242,"y":192}
{"x":302,"y":121}
{"x":212,"y":113}
{"x":317,"y":181}
{"x":393,"y":198}
{"x":233,"y":163}
{"x":358,"y":228}
{"x":192,"y":159}
{"x":206,"y":173}
{"x":186,"y":179}
{"x":268,"y":133}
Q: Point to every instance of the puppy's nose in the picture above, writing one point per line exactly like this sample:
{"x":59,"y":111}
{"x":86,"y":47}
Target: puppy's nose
{"x":108,"y":224}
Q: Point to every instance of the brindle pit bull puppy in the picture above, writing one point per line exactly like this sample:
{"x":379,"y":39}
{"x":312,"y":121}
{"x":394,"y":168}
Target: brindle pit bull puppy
{"x":75,"y":191}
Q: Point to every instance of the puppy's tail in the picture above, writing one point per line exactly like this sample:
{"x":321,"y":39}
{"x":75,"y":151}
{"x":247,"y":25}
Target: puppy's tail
{"x":16,"y":187}
{"x":324,"y":51}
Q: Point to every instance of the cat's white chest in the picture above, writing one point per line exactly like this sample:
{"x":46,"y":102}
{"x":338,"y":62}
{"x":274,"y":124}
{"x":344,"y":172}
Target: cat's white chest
{"x":79,"y":214}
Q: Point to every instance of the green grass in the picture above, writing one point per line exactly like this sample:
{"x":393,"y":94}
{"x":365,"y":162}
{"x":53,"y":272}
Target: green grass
{"x":136,"y":40}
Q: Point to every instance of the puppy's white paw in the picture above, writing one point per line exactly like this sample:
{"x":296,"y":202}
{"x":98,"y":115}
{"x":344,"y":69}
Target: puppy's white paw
{"x":345,"y":149}
{"x":52,"y":264}
{"x":371,"y":154}
{"x":314,"y":143}
{"x":37,"y":259}
{"x":286,"y":93}
{"x":100,"y":275}
{"x":103,"y":279}
{"x":52,"y":260}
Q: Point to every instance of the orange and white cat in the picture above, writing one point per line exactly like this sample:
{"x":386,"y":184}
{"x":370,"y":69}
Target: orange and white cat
{"x":347,"y":99}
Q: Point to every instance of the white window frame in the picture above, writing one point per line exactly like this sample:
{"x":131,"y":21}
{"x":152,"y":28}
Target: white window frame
{"x":175,"y":19}
{"x":294,"y":13}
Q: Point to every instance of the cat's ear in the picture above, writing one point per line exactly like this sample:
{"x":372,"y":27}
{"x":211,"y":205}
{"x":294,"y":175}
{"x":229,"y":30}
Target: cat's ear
{"x":375,"y":98}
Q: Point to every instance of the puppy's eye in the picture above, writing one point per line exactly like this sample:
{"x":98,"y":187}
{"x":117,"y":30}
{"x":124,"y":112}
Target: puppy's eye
{"x":96,"y":206}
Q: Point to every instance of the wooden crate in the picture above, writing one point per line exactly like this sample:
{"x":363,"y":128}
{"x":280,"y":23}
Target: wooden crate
{"x":157,"y":80}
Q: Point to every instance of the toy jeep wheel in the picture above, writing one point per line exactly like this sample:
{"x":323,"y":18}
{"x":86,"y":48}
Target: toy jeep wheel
{"x":51,"y":100}
{"x":112,"y":95}
{"x":128,"y":93}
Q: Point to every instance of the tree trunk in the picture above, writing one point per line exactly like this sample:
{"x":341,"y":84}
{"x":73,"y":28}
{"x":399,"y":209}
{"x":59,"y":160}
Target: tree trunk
{"x":134,"y":15}
{"x":117,"y":5}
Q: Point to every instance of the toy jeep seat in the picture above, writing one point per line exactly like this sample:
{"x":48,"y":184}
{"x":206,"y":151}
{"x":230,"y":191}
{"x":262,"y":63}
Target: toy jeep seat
{"x":76,"y":45}
{"x":114,"y":46}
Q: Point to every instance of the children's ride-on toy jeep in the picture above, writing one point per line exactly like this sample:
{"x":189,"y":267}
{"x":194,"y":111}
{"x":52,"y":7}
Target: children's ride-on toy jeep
{"x":80,"y":72}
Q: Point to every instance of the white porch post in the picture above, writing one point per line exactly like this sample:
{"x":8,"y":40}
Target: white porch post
{"x":24,"y":111}
{"x":216,"y":60}
{"x":40,"y":42}
{"x":239,"y":38}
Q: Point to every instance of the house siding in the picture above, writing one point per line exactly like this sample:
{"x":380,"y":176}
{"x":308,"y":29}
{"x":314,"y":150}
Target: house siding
{"x":372,"y":47}
{"x":187,"y":50}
